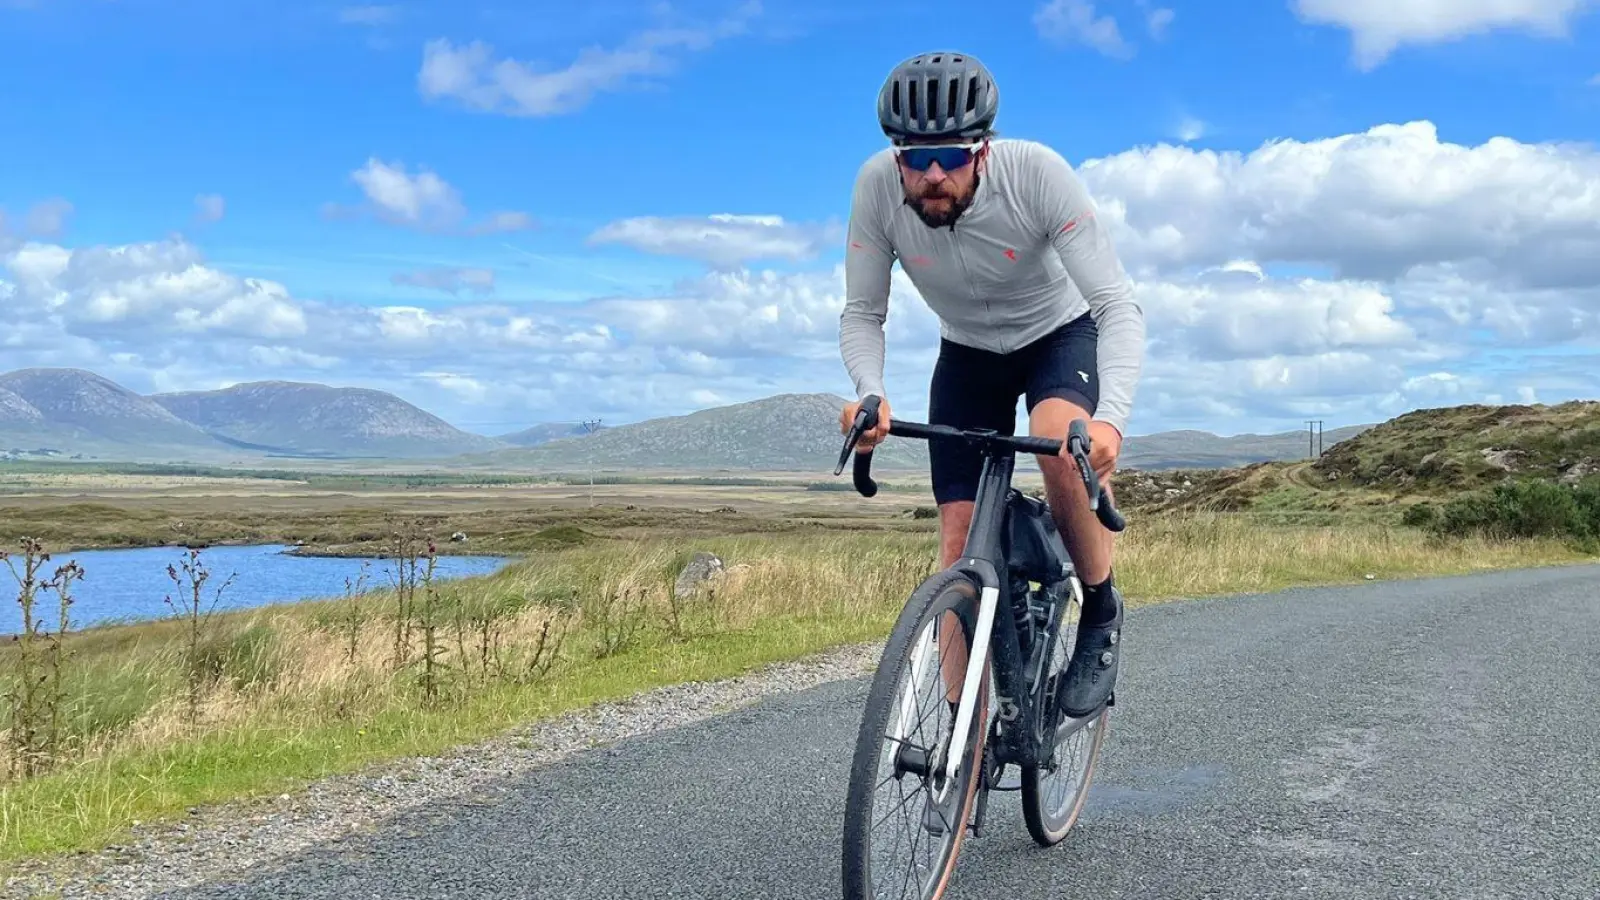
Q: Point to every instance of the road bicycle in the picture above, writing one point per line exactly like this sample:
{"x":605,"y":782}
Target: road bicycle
{"x":1006,"y":712}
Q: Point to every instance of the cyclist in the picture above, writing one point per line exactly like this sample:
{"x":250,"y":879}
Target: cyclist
{"x":1000,"y":238}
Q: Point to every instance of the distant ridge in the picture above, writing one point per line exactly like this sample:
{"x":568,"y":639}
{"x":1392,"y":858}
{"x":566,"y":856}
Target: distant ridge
{"x":66,"y":412}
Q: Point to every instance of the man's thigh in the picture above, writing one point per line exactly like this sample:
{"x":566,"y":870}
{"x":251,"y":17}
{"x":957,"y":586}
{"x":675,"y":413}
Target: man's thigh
{"x":1065,"y":365}
{"x":970,"y":389}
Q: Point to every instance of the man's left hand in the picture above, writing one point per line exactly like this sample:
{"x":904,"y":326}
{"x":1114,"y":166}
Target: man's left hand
{"x":1105,"y":442}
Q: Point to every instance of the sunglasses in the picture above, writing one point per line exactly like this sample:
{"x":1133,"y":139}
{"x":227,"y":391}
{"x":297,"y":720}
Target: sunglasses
{"x":948,"y":156}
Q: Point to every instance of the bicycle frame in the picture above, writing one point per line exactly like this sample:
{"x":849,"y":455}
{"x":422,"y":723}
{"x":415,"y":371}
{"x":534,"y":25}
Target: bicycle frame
{"x":985,"y":559}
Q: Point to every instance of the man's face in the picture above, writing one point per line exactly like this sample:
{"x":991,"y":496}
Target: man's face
{"x":939,"y":179}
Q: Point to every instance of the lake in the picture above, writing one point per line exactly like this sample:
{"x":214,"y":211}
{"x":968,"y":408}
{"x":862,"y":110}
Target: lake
{"x":132,"y":584}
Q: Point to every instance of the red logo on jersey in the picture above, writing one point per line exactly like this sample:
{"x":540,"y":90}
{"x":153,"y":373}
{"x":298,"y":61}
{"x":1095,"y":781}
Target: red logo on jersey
{"x":1011,"y":254}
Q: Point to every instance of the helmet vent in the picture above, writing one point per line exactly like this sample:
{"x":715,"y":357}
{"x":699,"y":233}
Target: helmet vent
{"x":972,"y":94}
{"x":950,"y":107}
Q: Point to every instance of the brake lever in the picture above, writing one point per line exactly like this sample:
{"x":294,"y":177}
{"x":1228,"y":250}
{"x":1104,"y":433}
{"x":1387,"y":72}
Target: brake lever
{"x":1078,"y":443}
{"x":866,"y":420}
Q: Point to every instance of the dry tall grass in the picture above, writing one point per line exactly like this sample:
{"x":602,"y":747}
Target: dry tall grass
{"x":301,"y":689}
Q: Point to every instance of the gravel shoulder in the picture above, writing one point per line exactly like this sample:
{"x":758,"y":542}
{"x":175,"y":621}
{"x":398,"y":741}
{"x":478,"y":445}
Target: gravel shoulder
{"x":229,"y":839}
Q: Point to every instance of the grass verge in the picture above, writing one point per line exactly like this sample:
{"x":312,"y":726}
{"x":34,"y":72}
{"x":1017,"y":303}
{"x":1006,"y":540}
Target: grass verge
{"x":297,"y":692}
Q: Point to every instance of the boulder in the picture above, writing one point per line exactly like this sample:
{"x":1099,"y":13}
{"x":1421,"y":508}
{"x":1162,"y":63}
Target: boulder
{"x":700,"y":570}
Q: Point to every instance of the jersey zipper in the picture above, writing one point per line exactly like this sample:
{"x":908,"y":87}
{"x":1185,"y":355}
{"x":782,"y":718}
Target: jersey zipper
{"x":972,"y":287}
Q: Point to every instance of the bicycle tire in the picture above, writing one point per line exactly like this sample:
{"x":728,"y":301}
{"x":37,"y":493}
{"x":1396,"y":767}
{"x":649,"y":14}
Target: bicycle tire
{"x":1048,"y":824}
{"x":943,"y":591}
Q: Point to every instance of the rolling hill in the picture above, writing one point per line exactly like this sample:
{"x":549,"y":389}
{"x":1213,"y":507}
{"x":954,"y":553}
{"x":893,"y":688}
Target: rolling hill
{"x":544,"y":433}
{"x":286,"y":418}
{"x":1471,"y":446}
{"x":1204,"y":450}
{"x":71,"y":412}
{"x":786,"y":432}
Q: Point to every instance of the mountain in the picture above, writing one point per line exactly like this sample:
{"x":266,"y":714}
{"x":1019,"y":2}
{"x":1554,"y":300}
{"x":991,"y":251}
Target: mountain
{"x":800,"y":432}
{"x":303,"y":419}
{"x":545,"y":432}
{"x":1203,"y":450}
{"x":76,"y":411}
{"x":72,"y":411}
{"x":787,"y":432}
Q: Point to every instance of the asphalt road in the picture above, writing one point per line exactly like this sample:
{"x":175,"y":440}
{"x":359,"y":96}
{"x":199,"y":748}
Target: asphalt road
{"x":1435,"y":738}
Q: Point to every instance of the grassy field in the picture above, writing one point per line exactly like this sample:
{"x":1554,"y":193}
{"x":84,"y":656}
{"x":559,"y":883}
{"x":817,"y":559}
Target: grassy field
{"x":153,"y":718}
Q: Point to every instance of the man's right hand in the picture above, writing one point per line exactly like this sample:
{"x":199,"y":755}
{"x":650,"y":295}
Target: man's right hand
{"x":872,"y":436}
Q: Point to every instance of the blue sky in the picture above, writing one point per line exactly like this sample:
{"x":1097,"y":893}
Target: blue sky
{"x":312,"y":123}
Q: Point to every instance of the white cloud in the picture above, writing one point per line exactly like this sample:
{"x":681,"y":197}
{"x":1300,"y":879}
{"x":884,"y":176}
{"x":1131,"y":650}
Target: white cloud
{"x":449,"y":280}
{"x":1370,"y":206}
{"x":1191,"y":129}
{"x":209,"y":207}
{"x":1379,"y":27}
{"x":1158,"y":21}
{"x":503,"y":221}
{"x":1255,"y":317}
{"x":1440,"y":273}
{"x":49,"y":218}
{"x":368,"y":15}
{"x":424,"y":201}
{"x":472,"y":76}
{"x":724,"y":240}
{"x":139,"y":291}
{"x":1068,"y":22}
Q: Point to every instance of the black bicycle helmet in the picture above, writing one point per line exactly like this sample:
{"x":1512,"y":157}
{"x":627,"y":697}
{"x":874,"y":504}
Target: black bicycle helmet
{"x":938,"y":96}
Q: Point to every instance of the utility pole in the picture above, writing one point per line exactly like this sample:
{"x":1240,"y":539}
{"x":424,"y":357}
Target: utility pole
{"x":590,"y":426}
{"x":1314,"y":437}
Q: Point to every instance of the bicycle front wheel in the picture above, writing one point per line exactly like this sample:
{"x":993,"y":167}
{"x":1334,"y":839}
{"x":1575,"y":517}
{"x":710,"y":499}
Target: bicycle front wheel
{"x":1054,"y":791}
{"x":905,"y":819}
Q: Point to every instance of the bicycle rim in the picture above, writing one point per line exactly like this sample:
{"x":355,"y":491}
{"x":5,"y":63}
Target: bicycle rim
{"x":887,"y":851}
{"x":1053,"y":794}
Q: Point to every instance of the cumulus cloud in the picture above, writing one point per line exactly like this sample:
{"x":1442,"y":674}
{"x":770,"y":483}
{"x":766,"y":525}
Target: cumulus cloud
{"x":1074,"y":22}
{"x":1157,"y":21}
{"x":472,"y":76}
{"x":424,"y":201}
{"x":49,"y":218}
{"x":1431,"y":273}
{"x":724,"y":240}
{"x":1374,"y":205}
{"x":449,"y":280}
{"x":1253,"y":317}
{"x":1379,"y":27}
{"x":139,"y":291}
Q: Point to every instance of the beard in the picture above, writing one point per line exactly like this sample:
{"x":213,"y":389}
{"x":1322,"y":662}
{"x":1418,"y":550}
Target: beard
{"x":950,"y":209}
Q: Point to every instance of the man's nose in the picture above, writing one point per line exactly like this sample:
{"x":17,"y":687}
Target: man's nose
{"x":934,"y":173}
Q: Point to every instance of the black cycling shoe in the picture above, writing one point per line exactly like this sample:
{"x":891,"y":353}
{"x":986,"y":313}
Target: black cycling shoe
{"x":1092,"y":673}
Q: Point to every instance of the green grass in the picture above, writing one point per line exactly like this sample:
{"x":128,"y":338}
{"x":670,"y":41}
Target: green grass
{"x":319,"y":715}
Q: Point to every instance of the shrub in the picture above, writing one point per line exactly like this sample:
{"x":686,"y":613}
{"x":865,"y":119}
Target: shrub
{"x":1519,"y":509}
{"x":1420,"y":515}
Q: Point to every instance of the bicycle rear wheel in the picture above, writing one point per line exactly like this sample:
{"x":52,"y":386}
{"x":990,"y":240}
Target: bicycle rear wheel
{"x":897,"y":743}
{"x":1053,"y":793}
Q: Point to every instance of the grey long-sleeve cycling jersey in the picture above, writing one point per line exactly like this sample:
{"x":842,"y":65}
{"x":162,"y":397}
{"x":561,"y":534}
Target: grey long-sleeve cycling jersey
{"x":1026,"y":257}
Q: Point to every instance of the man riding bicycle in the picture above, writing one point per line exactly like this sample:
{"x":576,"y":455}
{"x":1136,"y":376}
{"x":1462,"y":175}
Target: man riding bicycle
{"x":1000,"y":238}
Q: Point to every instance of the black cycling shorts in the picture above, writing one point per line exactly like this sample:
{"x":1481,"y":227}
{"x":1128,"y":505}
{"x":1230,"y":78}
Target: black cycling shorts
{"x":975,"y":388}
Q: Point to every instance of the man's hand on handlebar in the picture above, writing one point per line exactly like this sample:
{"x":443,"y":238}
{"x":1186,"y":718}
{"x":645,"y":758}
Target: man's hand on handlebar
{"x":872,"y":436}
{"x":1105,"y":443}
